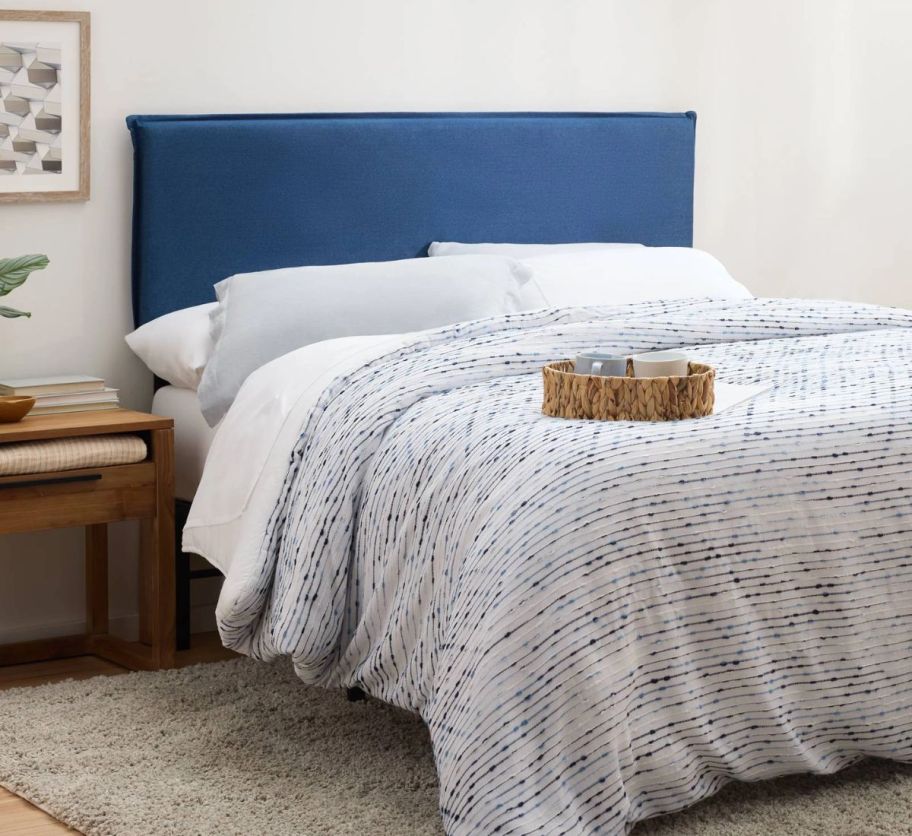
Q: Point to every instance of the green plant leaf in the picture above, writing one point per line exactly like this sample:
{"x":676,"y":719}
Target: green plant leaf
{"x":12,"y":313}
{"x":14,"y":271}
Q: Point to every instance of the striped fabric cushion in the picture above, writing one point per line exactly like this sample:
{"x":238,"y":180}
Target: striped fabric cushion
{"x":70,"y":453}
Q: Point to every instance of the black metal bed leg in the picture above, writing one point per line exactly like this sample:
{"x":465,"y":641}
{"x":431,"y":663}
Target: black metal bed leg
{"x":355,"y":694}
{"x":182,"y":577}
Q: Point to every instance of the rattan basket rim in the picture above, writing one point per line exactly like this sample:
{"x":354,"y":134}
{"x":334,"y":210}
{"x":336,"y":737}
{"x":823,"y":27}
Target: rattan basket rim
{"x":564,"y":367}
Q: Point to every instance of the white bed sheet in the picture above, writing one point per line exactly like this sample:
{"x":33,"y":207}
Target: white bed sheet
{"x":192,"y":437}
{"x":265,"y":421}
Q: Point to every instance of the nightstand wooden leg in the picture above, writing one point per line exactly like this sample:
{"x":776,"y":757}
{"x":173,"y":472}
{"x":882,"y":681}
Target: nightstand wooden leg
{"x":96,"y":578}
{"x":157,"y":553}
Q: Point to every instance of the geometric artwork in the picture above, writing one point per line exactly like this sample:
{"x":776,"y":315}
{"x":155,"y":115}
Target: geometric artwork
{"x":31,"y":108}
{"x":44,"y":105}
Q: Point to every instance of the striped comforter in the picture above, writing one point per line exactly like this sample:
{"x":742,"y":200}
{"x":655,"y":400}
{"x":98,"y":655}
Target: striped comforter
{"x":601,"y":622}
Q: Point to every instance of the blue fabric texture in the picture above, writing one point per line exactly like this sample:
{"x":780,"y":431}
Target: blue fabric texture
{"x":218,"y":195}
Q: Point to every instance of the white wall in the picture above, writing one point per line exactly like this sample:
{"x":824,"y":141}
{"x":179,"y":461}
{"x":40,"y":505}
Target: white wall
{"x":804,"y":186}
{"x":803,"y":180}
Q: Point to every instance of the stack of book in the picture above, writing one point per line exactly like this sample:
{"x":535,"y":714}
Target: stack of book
{"x":63,"y":393}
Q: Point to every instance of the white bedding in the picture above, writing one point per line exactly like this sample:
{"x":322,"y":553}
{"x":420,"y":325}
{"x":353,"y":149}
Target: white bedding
{"x":192,"y":436}
{"x":598,"y":621}
{"x":264,"y":315}
{"x":264,"y":422}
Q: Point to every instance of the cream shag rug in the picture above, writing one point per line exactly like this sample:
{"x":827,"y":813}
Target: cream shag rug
{"x":244,"y":748}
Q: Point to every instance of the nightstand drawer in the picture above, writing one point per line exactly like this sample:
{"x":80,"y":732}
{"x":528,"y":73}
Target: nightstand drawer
{"x":77,"y":497}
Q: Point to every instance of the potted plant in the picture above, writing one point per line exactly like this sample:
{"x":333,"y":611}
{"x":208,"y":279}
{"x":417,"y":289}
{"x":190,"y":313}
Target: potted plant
{"x":13,"y":273}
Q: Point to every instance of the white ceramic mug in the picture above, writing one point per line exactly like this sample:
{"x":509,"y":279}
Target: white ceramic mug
{"x":607,"y":365}
{"x":660,"y":364}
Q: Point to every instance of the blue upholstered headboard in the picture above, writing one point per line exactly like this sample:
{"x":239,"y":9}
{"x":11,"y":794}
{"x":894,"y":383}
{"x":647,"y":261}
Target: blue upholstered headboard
{"x":217,"y":195}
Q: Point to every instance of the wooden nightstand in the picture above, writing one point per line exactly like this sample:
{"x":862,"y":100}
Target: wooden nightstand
{"x":92,"y":498}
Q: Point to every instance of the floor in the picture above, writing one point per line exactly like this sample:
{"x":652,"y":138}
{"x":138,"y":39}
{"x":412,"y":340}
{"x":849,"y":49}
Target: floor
{"x":17,"y":816}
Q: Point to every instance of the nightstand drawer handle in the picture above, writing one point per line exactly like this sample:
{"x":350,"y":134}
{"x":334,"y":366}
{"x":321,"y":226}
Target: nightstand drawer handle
{"x":57,"y":480}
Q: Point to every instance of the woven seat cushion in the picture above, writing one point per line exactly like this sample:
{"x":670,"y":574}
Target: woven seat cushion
{"x":70,"y":453}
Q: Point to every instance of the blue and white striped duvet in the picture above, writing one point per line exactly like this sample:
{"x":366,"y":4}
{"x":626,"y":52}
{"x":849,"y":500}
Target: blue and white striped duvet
{"x":600,"y":622}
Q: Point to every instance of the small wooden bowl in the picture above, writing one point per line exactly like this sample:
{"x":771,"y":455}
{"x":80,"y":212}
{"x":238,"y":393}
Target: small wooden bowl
{"x":569,"y":395}
{"x":14,"y":408}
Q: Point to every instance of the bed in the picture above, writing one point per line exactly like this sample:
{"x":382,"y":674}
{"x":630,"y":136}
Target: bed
{"x":598,"y":623}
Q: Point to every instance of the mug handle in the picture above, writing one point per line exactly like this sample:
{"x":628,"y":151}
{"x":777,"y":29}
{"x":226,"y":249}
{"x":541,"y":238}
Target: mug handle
{"x":596,"y":367}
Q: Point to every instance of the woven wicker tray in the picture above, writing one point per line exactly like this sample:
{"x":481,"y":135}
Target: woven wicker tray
{"x":569,"y":395}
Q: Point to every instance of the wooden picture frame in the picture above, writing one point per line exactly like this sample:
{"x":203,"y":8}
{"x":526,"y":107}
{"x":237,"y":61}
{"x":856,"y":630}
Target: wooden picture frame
{"x":25,"y":152}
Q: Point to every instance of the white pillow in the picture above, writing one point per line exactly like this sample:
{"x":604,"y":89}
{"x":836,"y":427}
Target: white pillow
{"x":632,"y":274}
{"x":262,"y":316}
{"x":176,"y":346}
{"x":515,"y":250}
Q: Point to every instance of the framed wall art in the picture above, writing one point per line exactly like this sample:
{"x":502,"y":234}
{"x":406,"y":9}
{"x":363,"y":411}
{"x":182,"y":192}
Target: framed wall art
{"x":44,"y":105}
